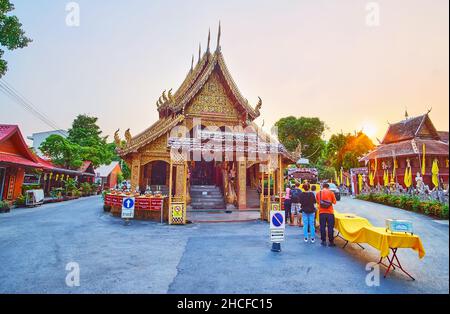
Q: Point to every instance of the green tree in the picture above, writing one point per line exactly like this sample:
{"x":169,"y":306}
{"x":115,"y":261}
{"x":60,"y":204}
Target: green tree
{"x":62,"y":152}
{"x":344,"y":150}
{"x":11,"y":34}
{"x":87,"y":134}
{"x":306,"y":131}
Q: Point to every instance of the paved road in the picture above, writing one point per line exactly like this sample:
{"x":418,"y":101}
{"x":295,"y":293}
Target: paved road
{"x":36,"y":245}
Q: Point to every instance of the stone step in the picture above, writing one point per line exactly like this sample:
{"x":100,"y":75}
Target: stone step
{"x":205,"y":194}
{"x":206,"y":197}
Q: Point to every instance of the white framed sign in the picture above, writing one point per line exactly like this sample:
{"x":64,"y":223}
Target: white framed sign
{"x":128,"y":207}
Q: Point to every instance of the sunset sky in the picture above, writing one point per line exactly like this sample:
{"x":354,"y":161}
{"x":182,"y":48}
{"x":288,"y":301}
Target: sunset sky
{"x":303,"y":58}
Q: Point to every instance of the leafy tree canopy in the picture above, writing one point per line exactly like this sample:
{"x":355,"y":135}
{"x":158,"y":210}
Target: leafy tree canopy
{"x":87,"y":134}
{"x":344,"y":150}
{"x":306,"y":131}
{"x":62,"y":152}
{"x":11,"y":34}
{"x":83,"y":143}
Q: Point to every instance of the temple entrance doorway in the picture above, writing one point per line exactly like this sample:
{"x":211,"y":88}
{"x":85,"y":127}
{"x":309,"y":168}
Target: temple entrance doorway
{"x":206,"y":186}
{"x":204,"y":173}
{"x":155,"y":177}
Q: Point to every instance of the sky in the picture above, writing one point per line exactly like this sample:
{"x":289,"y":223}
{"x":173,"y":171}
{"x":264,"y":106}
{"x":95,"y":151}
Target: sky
{"x":321,"y":58}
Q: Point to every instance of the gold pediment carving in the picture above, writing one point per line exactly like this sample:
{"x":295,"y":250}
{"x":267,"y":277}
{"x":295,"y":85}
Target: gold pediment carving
{"x":158,"y":145}
{"x":212,"y":99}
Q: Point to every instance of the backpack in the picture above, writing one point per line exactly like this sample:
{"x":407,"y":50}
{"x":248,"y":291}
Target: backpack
{"x":324,"y":203}
{"x":295,"y":195}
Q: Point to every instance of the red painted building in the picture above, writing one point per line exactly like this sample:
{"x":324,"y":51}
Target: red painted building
{"x":405,"y":140}
{"x":15,"y":160}
{"x":20,"y":166}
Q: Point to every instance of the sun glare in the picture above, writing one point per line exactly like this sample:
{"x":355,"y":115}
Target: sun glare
{"x":369,"y":129}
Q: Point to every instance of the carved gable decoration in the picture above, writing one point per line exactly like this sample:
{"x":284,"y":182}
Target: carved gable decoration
{"x":212,"y":99}
{"x":158,"y":145}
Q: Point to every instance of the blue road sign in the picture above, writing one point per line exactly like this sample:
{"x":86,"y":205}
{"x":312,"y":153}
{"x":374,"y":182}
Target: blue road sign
{"x":128,"y":203}
{"x":277,"y":219}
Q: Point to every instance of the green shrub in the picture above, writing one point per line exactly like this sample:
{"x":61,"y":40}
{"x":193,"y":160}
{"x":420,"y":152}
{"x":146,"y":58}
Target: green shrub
{"x":70,"y":186}
{"x":5,"y":206}
{"x":407,"y":202}
{"x":85,"y":188}
{"x":444,"y":211}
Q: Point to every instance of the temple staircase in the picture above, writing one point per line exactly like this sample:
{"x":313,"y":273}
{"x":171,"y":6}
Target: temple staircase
{"x":252,"y":198}
{"x":207,"y":197}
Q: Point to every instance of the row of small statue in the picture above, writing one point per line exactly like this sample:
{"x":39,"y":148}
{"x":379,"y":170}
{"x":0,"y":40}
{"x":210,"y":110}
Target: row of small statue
{"x":421,"y":189}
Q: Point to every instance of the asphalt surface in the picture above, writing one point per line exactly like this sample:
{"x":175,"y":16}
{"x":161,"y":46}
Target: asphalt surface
{"x":36,"y":244}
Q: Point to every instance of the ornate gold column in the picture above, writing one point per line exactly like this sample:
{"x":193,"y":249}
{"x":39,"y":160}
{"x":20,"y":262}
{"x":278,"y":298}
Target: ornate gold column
{"x":242,"y":184}
{"x":180,"y":180}
{"x":135,"y":171}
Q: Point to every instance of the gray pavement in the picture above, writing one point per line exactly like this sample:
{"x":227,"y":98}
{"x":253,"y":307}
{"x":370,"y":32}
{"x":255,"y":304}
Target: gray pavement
{"x":146,"y":257}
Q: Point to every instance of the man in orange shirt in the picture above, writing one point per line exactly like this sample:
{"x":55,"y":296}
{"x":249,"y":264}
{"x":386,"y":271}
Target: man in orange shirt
{"x":325,"y":200}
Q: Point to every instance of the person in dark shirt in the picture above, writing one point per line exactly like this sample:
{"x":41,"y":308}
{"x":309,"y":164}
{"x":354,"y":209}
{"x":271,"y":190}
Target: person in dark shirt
{"x":308,"y":201}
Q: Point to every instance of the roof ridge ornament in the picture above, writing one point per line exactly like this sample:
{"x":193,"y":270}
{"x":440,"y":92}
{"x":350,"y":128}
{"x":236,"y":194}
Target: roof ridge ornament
{"x":199,"y":52}
{"x":170,"y":96}
{"x":258,"y":106}
{"x":192,"y":63}
{"x":218,"y":38}
{"x":164,"y":97}
{"x":209,"y":39}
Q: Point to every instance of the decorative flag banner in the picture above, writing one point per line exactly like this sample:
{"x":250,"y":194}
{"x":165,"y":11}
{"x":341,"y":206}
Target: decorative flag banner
{"x":435,"y":173}
{"x":360,"y":182}
{"x":423,"y":159}
{"x":336,"y":177}
{"x":371,"y":178}
{"x":386,"y":177}
{"x":408,"y":177}
{"x":376,"y":168}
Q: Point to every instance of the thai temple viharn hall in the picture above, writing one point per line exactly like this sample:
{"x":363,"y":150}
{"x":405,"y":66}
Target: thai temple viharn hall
{"x":206,"y":151}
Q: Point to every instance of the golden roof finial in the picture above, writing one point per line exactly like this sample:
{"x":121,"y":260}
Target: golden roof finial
{"x":209,"y":39}
{"x":199,"y":52}
{"x":164,"y":97}
{"x":218,"y":38}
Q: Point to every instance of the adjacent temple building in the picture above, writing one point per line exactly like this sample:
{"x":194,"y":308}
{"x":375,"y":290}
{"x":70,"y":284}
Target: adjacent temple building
{"x":403,"y":145}
{"x":208,"y":94}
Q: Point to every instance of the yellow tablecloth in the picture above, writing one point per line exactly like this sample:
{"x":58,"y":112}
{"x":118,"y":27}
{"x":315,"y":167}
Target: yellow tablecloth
{"x":359,"y":230}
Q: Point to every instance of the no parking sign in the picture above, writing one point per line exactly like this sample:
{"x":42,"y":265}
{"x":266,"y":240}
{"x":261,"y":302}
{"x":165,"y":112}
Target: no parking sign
{"x":277,"y":226}
{"x":128,"y":207}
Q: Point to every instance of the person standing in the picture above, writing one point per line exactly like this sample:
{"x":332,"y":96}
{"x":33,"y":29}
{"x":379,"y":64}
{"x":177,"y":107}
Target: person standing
{"x":308,"y":201}
{"x":325,"y":200}
{"x":287,"y":201}
{"x":295,"y":203}
{"x":316,"y":214}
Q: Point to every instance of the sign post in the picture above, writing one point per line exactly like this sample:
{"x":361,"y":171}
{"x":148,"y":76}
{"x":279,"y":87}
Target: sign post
{"x":277,"y":227}
{"x":128,"y":209}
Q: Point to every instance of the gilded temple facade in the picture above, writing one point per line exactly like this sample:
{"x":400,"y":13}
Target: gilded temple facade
{"x":205,"y":151}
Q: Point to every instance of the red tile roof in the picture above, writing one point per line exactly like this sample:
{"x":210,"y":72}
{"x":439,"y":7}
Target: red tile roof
{"x":404,"y":148}
{"x":6,"y":131}
{"x":443,"y":135}
{"x":16,"y":159}
{"x":407,"y":129}
{"x":27,"y":158}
